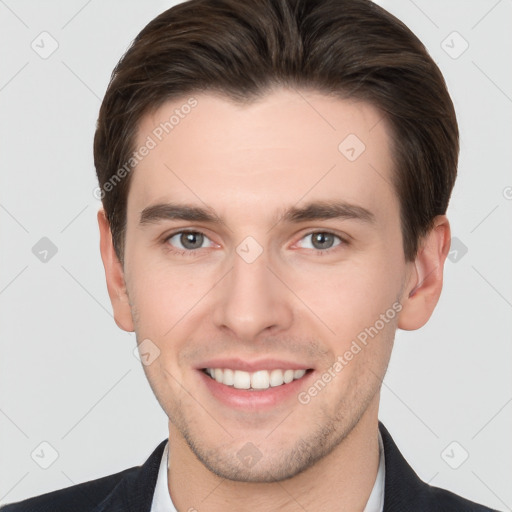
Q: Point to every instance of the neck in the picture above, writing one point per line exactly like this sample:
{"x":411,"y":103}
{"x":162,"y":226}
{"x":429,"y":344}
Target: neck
{"x":341,"y":481}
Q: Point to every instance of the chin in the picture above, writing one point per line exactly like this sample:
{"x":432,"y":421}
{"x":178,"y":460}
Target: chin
{"x":252,"y":464}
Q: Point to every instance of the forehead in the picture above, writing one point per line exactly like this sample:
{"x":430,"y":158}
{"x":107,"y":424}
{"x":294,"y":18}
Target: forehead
{"x":286,"y":147}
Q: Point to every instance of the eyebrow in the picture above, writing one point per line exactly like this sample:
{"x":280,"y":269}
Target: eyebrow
{"x":318,"y":210}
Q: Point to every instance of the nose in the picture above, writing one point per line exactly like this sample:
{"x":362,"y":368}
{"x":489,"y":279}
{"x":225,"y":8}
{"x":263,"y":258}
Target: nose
{"x":251,"y":300}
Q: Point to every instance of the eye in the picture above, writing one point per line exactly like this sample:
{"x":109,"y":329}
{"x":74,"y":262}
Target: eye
{"x":320,"y":240}
{"x":189,"y":240}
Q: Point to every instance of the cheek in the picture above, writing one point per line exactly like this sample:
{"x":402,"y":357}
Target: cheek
{"x":164,"y":294}
{"x":363,"y":316}
{"x":349,"y":297}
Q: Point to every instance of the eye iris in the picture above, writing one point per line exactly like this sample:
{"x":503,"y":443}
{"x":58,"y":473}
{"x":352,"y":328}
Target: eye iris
{"x":322,"y":240}
{"x":192,"y":240}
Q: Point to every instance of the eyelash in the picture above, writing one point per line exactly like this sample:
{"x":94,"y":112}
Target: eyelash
{"x":181,"y":252}
{"x":193,"y":252}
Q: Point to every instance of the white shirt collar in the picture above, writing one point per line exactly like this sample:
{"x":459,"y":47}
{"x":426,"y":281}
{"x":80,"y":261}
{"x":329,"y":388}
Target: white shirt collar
{"x":162,"y":500}
{"x":375,"y":502}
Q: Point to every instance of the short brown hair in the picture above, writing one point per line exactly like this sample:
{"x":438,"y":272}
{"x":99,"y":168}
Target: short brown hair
{"x":242,"y":49}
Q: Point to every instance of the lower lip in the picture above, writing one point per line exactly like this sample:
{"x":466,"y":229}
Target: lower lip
{"x":254,"y":399}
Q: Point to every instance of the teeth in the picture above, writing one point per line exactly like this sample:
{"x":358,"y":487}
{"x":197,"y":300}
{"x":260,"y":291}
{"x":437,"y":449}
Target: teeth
{"x":298,"y":374}
{"x":242,"y":380}
{"x":288,"y":376}
{"x":261,"y":379}
{"x":228,"y":377}
{"x":276,"y":378}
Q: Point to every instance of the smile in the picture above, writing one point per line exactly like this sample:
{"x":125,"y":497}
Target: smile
{"x":258,"y":380}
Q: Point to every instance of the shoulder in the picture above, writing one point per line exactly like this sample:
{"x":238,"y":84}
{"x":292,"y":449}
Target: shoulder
{"x":131,"y":489}
{"x":405,"y":491}
{"x":78,"y":498}
{"x":449,"y":502}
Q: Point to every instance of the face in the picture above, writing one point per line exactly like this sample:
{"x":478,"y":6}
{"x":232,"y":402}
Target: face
{"x":264,"y":267}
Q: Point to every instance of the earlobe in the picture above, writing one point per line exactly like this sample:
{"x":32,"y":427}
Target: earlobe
{"x":425,"y":282}
{"x":114,"y":275}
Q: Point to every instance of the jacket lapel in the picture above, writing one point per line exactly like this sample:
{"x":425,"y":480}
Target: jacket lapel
{"x":403,"y":489}
{"x":134,"y":493}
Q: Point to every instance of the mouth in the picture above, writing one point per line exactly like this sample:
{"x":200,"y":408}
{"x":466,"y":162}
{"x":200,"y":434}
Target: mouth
{"x":259,"y":380}
{"x":254,"y":386}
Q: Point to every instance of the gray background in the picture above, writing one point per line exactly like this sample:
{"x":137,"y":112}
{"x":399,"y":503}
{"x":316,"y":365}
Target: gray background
{"x":68,"y":375}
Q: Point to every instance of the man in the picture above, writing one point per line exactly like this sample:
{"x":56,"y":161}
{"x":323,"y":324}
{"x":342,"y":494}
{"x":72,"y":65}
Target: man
{"x":275,"y":177}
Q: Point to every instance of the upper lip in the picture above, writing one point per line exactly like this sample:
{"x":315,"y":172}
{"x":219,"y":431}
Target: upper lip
{"x":252,"y":366}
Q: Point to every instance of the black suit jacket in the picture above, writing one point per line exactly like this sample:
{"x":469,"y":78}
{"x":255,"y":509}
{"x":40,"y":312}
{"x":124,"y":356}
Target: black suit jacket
{"x":132,"y":490}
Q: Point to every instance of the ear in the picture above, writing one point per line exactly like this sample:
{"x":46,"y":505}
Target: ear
{"x":115,"y":276}
{"x":425,"y":281}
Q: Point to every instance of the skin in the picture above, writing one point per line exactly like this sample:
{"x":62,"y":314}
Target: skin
{"x":295,"y":302}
